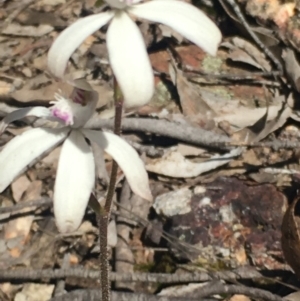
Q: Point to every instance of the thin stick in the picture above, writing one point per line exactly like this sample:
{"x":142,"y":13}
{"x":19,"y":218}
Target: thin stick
{"x":253,"y":35}
{"x":187,"y":133}
{"x":104,"y":213}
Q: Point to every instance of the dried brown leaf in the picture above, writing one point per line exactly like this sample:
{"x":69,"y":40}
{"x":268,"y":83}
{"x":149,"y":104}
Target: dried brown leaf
{"x":239,"y":55}
{"x":16,"y":29}
{"x":275,"y":124}
{"x":290,"y":240}
{"x":175,"y":165}
{"x":239,"y":113}
{"x":189,"y":150}
{"x":191,"y":101}
{"x":19,"y":186}
{"x":292,"y":68}
{"x":262,"y":128}
{"x":251,"y":54}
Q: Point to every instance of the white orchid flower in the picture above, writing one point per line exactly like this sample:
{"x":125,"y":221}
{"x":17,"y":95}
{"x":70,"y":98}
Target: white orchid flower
{"x":126,"y":47}
{"x":75,"y":177}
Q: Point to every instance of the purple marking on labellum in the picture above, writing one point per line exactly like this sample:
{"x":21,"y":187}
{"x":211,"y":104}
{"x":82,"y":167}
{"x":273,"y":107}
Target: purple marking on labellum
{"x":78,"y":96}
{"x":64,"y":116}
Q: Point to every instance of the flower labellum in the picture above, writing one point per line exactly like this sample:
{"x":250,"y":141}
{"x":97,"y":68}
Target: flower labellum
{"x":126,"y":48}
{"x":75,"y":178}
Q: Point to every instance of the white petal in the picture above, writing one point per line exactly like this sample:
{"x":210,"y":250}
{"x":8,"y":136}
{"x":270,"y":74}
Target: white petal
{"x":21,"y":113}
{"x":116,"y":4}
{"x":121,"y":4}
{"x":74,"y":182}
{"x":70,"y":39}
{"x":23,"y":149}
{"x":186,"y":19}
{"x":100,"y":162}
{"x":129,"y":61}
{"x":126,"y":157}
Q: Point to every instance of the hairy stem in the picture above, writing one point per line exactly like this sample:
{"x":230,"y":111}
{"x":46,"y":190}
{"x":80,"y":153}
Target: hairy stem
{"x":104,"y":213}
{"x":104,"y":264}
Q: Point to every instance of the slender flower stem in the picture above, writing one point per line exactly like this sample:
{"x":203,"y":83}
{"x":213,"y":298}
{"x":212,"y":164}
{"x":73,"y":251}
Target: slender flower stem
{"x":104,"y":264}
{"x":104,"y":213}
{"x":118,"y":98}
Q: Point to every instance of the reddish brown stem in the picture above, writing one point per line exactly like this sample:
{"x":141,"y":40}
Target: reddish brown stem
{"x":105,"y":212}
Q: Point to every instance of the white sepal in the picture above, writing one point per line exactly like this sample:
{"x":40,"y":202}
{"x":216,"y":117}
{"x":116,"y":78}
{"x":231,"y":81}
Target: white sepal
{"x":21,"y":113}
{"x":70,"y":39}
{"x":116,"y":4}
{"x":129,"y":60}
{"x":74,"y":182}
{"x":185,"y":18}
{"x":127,"y":159}
{"x":25,"y":148}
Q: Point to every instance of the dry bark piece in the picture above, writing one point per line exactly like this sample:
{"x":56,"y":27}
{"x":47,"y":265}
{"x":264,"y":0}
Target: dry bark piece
{"x":290,"y":239}
{"x":173,"y":202}
{"x":233,"y":222}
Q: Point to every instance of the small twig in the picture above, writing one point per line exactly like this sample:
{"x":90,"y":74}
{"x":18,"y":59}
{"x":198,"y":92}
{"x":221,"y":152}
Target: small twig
{"x":205,"y":291}
{"x":165,"y":128}
{"x":45,"y":201}
{"x":29,"y":274}
{"x":60,"y":286}
{"x":197,"y":76}
{"x":187,"y":133}
{"x":208,"y":81}
{"x":93,"y":295}
{"x":184,"y":133}
{"x":221,"y":288}
{"x":275,"y":144}
{"x":191,"y":72}
{"x":253,"y":35}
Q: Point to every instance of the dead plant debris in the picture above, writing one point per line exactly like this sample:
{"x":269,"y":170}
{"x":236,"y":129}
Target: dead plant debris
{"x":220,"y":142}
